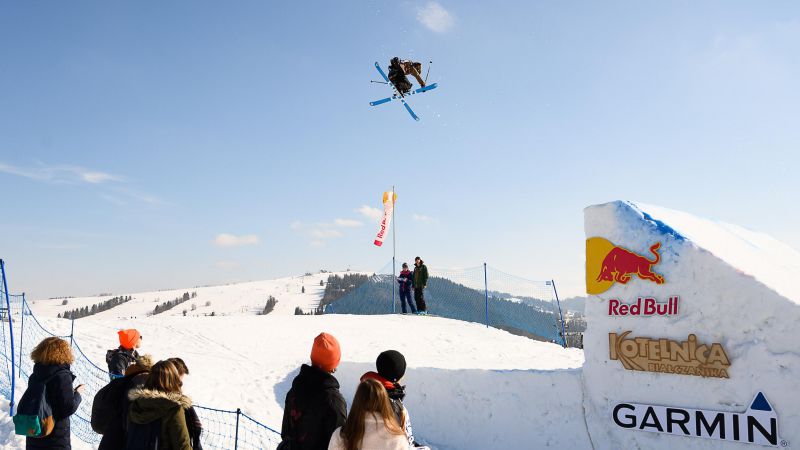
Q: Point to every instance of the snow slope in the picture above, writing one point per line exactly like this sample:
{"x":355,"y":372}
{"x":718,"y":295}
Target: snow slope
{"x":469,"y":386}
{"x":232,"y":299}
{"x":736,"y":288}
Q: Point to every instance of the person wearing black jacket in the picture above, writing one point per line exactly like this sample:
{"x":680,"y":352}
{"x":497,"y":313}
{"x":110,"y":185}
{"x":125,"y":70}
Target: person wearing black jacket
{"x":135,"y":377}
{"x":52,"y":358}
{"x":120,"y":358}
{"x":314,"y":406}
{"x":420,"y":282}
{"x":193,"y":423}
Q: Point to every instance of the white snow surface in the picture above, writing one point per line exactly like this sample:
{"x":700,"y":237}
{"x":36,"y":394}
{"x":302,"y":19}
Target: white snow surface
{"x":468,"y":386}
{"x":735,"y":288}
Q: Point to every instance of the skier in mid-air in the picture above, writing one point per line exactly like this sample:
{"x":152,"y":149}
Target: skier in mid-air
{"x":398,"y":69}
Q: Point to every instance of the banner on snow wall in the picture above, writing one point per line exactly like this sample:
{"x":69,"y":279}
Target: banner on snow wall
{"x":388,"y":207}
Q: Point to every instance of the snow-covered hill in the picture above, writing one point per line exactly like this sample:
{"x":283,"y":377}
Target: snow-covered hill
{"x":232,"y":299}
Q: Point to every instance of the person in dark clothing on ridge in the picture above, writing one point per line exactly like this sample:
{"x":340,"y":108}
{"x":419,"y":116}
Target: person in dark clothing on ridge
{"x":314,"y":406}
{"x":135,"y":377}
{"x":193,"y":423}
{"x":404,"y":280}
{"x":52,"y":359}
{"x":120,"y":358}
{"x":391,"y":366}
{"x":420,"y":282}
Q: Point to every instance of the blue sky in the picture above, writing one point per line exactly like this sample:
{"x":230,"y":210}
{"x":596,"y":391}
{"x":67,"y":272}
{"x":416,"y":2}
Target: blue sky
{"x":147,"y":145}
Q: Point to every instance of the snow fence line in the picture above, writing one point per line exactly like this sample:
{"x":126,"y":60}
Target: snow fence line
{"x":21,"y":331}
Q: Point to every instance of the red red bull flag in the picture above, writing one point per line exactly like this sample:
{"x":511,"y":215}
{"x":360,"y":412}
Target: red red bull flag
{"x":388,"y":207}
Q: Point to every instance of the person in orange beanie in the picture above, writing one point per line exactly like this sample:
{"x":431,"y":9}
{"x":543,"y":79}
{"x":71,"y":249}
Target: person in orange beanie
{"x":314,"y":406}
{"x":120,"y":358}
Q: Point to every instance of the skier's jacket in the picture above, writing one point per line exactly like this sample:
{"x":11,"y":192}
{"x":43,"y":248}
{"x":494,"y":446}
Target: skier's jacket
{"x":404,"y":280}
{"x":396,"y":395}
{"x":64,"y":401}
{"x":160,"y":417}
{"x":314,"y":408}
{"x":118,"y":360}
{"x":110,"y":407}
{"x":397,"y":76}
{"x":420,"y":276}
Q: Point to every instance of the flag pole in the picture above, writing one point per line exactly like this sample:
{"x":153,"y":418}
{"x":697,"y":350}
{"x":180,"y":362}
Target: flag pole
{"x":394,"y":253}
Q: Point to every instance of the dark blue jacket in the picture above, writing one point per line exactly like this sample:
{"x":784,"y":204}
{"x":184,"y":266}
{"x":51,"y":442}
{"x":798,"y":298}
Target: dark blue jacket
{"x":64,"y":401}
{"x":404,"y":280}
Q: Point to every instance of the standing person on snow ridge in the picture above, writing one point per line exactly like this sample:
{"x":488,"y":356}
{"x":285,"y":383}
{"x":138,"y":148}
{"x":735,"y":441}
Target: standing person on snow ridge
{"x":420,"y":282}
{"x":314,"y":406}
{"x":120,"y":358}
{"x":157,"y":417}
{"x":51,"y":364}
{"x":398,"y":69}
{"x":111,"y":404}
{"x":193,"y":423}
{"x":404,"y":280}
{"x":391,"y":366}
{"x":371,"y":424}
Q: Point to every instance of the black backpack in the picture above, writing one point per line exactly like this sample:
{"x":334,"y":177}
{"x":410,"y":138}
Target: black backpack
{"x":107,"y":405}
{"x":34,"y":417}
{"x":143,"y":436}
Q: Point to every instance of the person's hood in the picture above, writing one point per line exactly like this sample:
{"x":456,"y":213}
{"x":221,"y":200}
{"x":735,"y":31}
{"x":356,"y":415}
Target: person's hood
{"x":395,"y":390}
{"x":43,"y":371}
{"x":313,"y":378}
{"x":148,"y":405}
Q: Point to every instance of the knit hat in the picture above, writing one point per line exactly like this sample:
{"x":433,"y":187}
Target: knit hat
{"x":391,"y":365}
{"x":325,"y":353}
{"x":129,"y":338}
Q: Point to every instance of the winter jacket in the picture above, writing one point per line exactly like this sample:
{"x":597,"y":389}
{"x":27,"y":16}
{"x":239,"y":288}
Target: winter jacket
{"x":114,"y":437}
{"x":195,"y":428}
{"x":165,"y":409}
{"x":119,"y":359}
{"x":63,"y":399}
{"x":404,"y":280}
{"x":420,"y":276}
{"x":396,"y":395}
{"x":314,"y":408}
{"x":376,"y":437}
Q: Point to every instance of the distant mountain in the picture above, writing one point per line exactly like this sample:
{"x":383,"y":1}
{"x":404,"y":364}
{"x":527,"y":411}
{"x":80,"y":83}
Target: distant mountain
{"x":574,"y":304}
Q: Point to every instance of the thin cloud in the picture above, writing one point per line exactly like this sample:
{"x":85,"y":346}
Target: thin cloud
{"x":347,"y":223}
{"x":230,"y":240}
{"x":435,"y":17}
{"x":369,"y":212}
{"x":60,"y":174}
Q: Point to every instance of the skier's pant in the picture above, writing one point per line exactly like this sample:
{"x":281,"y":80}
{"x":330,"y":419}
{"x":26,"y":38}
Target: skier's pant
{"x":419,"y":297}
{"x":405,"y":296}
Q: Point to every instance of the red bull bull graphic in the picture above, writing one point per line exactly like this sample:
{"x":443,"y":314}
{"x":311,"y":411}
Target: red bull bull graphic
{"x":607,"y":263}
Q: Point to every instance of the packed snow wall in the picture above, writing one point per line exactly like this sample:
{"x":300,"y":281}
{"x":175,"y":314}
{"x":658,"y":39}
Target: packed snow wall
{"x":693,"y":332}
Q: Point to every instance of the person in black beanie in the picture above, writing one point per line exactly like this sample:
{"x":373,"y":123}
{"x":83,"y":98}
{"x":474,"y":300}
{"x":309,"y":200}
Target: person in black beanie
{"x":391,"y":366}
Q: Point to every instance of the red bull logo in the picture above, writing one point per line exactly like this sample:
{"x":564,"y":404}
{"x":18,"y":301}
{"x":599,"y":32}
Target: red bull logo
{"x":607,"y":264}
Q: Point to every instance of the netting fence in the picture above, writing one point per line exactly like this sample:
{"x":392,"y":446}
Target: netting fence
{"x":21,"y":331}
{"x":480,"y":294}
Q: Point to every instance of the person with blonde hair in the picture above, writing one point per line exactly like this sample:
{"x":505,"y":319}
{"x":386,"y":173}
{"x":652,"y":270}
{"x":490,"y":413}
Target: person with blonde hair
{"x":371,"y":424}
{"x":51,"y":366}
{"x":158,"y":411}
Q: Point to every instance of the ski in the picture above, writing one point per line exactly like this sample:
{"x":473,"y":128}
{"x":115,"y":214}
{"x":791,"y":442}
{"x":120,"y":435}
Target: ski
{"x":395,"y":97}
{"x":396,"y":92}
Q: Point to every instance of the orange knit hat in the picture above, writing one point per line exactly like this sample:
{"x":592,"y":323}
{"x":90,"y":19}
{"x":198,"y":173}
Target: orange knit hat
{"x":129,"y":338}
{"x":325,"y":353}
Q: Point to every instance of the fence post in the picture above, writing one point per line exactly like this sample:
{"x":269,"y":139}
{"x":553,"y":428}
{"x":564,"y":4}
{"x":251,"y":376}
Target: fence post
{"x":486,"y":292}
{"x":11,"y":335}
{"x":236,"y":440}
{"x":71,"y":332}
{"x":21,"y":337}
{"x":560,"y":316}
{"x":391,"y":283}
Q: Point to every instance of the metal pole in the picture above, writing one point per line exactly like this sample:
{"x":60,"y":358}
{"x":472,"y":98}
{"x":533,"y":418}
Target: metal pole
{"x":236,"y":441}
{"x":11,"y":334}
{"x":486,"y":291}
{"x":71,"y":332}
{"x":21,"y":336}
{"x":394,"y":252}
{"x":561,"y":316}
